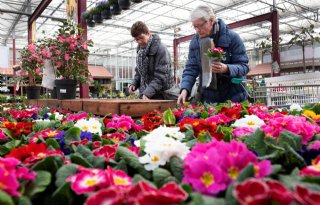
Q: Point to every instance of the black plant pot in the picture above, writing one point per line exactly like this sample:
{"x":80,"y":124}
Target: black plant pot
{"x":136,"y":1}
{"x":106,"y":14}
{"x":124,"y":4}
{"x":97,"y":18}
{"x":90,"y":22}
{"x":115,"y":9}
{"x":33,"y":92}
{"x":66,"y":89}
{"x":54,"y":93}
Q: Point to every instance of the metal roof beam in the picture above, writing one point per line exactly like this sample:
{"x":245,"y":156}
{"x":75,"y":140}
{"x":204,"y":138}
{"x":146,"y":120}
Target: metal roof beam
{"x":16,"y":20}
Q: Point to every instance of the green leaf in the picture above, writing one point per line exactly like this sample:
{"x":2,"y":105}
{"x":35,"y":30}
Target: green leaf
{"x":43,"y":179}
{"x":24,"y":201}
{"x":63,"y":195}
{"x":206,"y":137}
{"x":168,"y":117}
{"x":78,"y":159}
{"x":132,"y":160}
{"x":160,"y":175}
{"x":291,"y":139}
{"x":53,"y":143}
{"x":5,"y":199}
{"x":64,"y":172}
{"x":292,"y":158}
{"x":176,"y":167}
{"x":191,"y":143}
{"x":212,"y":200}
{"x":230,"y":199}
{"x":246,"y":173}
{"x":42,"y":125}
{"x":7,"y":132}
{"x":226,"y":131}
{"x":72,"y":135}
{"x":94,"y":161}
{"x":136,"y":178}
{"x":255,"y":142}
{"x":50,"y":164}
{"x":122,"y":166}
{"x":196,"y":199}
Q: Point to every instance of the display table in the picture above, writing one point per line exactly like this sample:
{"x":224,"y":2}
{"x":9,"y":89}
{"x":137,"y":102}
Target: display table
{"x":133,"y":108}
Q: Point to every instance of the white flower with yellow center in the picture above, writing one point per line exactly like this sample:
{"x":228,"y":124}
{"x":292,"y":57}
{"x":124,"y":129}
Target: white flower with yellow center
{"x":58,"y":116}
{"x":251,"y":121}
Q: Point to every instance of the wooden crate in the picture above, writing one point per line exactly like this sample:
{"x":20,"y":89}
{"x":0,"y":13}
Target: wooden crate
{"x":72,"y":105}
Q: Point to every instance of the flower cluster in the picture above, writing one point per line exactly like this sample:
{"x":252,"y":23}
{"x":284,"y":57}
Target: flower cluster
{"x":253,"y":191}
{"x":68,"y":51}
{"x":215,"y":172}
{"x":216,"y":54}
{"x":11,"y":174}
{"x":160,"y":145}
{"x":140,"y":193}
{"x":32,"y":62}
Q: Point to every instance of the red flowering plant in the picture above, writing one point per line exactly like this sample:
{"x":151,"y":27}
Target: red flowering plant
{"x":32,"y":63}
{"x":68,"y":52}
{"x":217,"y":54}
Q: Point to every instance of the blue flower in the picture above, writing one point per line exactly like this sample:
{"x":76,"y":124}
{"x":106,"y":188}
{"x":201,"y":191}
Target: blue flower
{"x":86,"y":135}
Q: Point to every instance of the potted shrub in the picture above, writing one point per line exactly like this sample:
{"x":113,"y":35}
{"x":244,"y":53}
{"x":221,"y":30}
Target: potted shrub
{"x":69,"y":53}
{"x":32,"y":63}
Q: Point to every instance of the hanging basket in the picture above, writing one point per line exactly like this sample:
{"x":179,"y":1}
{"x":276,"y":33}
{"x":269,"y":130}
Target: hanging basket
{"x":124,"y":4}
{"x":106,"y":14}
{"x":66,"y":89}
{"x":115,"y":9}
{"x":33,"y":92}
{"x":97,"y":18}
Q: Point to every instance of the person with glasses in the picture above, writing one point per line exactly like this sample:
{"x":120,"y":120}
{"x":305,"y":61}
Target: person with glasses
{"x":153,"y":72}
{"x":235,"y":64}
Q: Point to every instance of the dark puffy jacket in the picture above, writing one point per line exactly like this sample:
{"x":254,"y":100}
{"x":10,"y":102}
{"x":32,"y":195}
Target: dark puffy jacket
{"x":159,"y":71}
{"x":236,"y":60}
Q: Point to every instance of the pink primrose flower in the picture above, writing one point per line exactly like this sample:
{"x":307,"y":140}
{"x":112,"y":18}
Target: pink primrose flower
{"x":242,"y":131}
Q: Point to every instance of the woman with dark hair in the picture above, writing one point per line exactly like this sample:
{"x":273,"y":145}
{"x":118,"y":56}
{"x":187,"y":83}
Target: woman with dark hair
{"x":153,"y":73}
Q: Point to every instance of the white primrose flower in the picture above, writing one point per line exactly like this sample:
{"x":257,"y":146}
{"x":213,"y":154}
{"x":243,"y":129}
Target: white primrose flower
{"x":252,"y":121}
{"x":58,"y":116}
{"x":92,"y":125}
{"x":160,"y":149}
{"x":295,"y":107}
{"x":152,"y":160}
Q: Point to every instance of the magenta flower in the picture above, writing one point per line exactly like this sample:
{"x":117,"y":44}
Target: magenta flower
{"x":111,"y":195}
{"x":88,"y":180}
{"x":219,"y":119}
{"x":215,"y":172}
{"x":2,"y":135}
{"x":315,"y":145}
{"x":11,"y":174}
{"x":242,"y":131}
{"x":119,"y":178}
{"x":312,"y":170}
{"x":295,"y":124}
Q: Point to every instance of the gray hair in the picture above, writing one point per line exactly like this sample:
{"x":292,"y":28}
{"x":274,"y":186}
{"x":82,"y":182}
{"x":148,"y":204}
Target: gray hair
{"x":204,"y":12}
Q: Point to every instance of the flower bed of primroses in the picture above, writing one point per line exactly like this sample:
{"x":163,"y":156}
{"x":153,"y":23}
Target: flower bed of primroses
{"x":195,"y":154}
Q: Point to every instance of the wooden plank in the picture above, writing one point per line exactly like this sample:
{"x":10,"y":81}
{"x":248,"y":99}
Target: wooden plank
{"x":72,"y":105}
{"x":101,"y":107}
{"x":141,"y":107}
{"x":49,"y":102}
{"x":32,"y":102}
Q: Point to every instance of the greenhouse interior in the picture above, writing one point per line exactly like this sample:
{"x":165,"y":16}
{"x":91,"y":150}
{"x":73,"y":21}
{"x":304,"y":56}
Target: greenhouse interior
{"x":145,"y":102}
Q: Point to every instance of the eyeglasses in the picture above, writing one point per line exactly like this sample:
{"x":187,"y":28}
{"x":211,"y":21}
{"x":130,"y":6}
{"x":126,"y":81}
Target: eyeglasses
{"x":199,"y":27}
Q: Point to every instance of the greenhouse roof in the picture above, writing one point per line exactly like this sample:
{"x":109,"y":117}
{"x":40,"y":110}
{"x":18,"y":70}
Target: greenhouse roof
{"x":168,"y":18}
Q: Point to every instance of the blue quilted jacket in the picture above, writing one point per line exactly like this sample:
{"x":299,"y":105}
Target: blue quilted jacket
{"x":236,"y":60}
